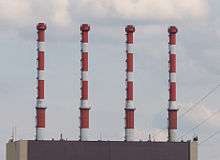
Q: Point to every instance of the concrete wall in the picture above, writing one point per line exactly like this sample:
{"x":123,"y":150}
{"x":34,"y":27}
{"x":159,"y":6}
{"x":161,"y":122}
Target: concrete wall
{"x":17,"y":150}
{"x":194,"y":150}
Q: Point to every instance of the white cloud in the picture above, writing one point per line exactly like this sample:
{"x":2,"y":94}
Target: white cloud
{"x":62,"y":12}
{"x":14,"y":10}
{"x":25,"y":12}
{"x":145,"y":9}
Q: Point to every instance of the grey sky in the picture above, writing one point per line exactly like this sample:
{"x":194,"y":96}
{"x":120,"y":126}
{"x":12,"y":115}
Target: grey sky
{"x":197,"y":66}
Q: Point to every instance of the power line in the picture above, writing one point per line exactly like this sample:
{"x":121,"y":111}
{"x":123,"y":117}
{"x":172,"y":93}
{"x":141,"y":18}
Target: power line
{"x":209,"y":137}
{"x":201,"y":123}
{"x":194,"y":105}
{"x":199,"y":101}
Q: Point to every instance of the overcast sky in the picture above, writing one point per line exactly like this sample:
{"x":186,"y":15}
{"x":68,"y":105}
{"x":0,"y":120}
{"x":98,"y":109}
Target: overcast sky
{"x":198,"y":70}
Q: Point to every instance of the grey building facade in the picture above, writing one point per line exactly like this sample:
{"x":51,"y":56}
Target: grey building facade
{"x":100,"y":150}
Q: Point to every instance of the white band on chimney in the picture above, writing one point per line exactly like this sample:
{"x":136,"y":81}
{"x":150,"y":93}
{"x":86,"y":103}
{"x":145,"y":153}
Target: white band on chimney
{"x":84,"y":47}
{"x":41,"y":46}
{"x":172,"y":49}
{"x":40,"y":75}
{"x":84,"y":75}
{"x":40,"y":103}
{"x":172,"y":105}
{"x":130,"y":76}
{"x":130,"y":135}
{"x":40,"y":133}
{"x":130,"y":47}
{"x":84,"y":104}
{"x":173,"y":135}
{"x":172,"y":77}
{"x":130,"y":105}
{"x":84,"y":134}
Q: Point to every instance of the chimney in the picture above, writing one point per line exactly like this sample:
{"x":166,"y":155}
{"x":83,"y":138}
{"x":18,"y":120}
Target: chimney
{"x":40,"y":107}
{"x":172,"y":109}
{"x":129,"y":109}
{"x":84,"y":107}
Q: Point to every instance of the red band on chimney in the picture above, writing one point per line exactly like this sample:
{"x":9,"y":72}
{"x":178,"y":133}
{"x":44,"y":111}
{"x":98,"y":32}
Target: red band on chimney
{"x":172,"y":119}
{"x":129,"y":90}
{"x":41,"y":60}
{"x":172,"y":63}
{"x":172,"y":91}
{"x":84,"y":118}
{"x":40,"y":89}
{"x":41,"y":118}
{"x":129,"y":119}
{"x":85,"y":62}
{"x":130,"y":62}
{"x":84,"y":90}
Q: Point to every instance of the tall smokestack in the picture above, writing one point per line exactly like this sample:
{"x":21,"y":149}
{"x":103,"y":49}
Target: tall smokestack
{"x":129,"y":109}
{"x":84,"y":108}
{"x":40,"y":107}
{"x":172,"y":110}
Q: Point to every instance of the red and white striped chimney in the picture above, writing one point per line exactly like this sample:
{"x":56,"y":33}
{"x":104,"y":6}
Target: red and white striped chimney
{"x":129,"y":109}
{"x":84,"y":107}
{"x":40,"y":107}
{"x":172,"y":109}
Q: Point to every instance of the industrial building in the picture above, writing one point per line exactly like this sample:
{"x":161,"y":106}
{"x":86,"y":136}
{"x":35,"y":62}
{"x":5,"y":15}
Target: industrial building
{"x":103,"y":150}
{"x":84,"y":149}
